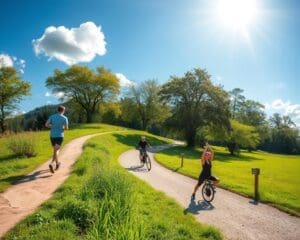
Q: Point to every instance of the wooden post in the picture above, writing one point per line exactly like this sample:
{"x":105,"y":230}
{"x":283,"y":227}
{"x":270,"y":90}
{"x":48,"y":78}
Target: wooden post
{"x":256,"y":172}
{"x":182,"y":155}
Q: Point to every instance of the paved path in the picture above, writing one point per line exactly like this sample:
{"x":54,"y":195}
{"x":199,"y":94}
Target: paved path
{"x":233,"y":214}
{"x":26,"y":195}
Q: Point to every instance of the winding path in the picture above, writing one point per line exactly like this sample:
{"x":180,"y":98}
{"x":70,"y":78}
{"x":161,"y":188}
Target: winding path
{"x":29,"y":193}
{"x":233,"y":214}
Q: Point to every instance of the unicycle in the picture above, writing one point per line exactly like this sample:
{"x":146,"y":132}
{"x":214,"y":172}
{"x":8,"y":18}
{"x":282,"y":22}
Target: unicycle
{"x":208,"y":191}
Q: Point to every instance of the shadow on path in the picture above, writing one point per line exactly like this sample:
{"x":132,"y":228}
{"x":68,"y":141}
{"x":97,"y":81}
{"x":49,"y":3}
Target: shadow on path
{"x":195,"y":208}
{"x":34,"y":176}
{"x":137,"y":168}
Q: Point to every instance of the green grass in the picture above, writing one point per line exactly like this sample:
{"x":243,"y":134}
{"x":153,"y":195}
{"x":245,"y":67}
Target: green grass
{"x":13,"y":168}
{"x":278,"y":182}
{"x":101,"y":200}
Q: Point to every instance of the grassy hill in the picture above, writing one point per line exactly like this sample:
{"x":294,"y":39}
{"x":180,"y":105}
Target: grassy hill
{"x":278,"y":182}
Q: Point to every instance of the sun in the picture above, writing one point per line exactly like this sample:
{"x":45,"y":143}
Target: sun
{"x":237,"y":14}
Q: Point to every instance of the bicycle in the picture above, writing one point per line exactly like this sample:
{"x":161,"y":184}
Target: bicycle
{"x":208,"y":191}
{"x":145,"y":159}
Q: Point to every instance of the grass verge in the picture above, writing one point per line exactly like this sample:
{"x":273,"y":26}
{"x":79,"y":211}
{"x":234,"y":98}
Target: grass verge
{"x":101,"y":200}
{"x":278,"y":182}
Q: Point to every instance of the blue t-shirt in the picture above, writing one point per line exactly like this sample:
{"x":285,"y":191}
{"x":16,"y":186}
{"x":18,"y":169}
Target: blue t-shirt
{"x":58,"y":121}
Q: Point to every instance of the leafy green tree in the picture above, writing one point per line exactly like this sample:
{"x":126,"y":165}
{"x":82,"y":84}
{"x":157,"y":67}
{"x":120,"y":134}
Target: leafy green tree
{"x":86,"y":87}
{"x":12,"y":91}
{"x":143,"y":104}
{"x":284,"y":135}
{"x":241,"y":135}
{"x":195,"y":103}
{"x":237,"y":100}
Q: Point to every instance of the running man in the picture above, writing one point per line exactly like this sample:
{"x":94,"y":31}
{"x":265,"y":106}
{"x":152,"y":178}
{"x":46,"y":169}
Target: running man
{"x":206,"y":159}
{"x":57,"y":123}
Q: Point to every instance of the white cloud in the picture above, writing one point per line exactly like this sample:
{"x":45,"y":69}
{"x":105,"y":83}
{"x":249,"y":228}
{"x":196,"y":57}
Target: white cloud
{"x":56,"y":95}
{"x":73,"y":45}
{"x":124,"y":82}
{"x":285,"y":108}
{"x":6,"y":61}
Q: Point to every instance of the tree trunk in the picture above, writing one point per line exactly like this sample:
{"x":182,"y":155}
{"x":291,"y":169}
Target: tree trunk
{"x":190,"y":137}
{"x":231,"y":147}
{"x":2,"y":124}
{"x":89,"y":116}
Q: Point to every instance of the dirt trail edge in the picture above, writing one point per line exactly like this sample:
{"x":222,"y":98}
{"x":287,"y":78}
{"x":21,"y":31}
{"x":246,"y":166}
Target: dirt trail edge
{"x":233,"y":214}
{"x":27,"y":194}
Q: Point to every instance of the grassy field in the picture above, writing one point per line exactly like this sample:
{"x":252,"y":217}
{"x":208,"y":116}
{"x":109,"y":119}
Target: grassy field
{"x":278,"y":182}
{"x":101,"y":200}
{"x":13,"y":168}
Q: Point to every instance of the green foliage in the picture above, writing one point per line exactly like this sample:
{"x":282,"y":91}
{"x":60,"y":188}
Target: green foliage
{"x":241,"y":135}
{"x":85,"y":87}
{"x":195,"y":102}
{"x":12,"y":90}
{"x":276,"y":186}
{"x":23,"y":145}
{"x":142,"y":105}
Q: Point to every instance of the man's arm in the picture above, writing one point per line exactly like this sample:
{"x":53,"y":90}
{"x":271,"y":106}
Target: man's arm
{"x":48,"y":124}
{"x":66,"y":126}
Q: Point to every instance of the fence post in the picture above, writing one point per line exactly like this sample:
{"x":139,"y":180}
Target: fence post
{"x":182,"y":156}
{"x":256,"y":172}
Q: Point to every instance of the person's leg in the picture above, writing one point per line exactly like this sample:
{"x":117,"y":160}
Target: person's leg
{"x":200,"y":181}
{"x":215,"y":180}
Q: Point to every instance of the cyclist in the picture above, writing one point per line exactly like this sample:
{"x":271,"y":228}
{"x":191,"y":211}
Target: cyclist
{"x":206,"y":162}
{"x":142,"y":146}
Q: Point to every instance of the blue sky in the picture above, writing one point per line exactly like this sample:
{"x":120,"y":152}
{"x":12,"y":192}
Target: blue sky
{"x":155,"y":39}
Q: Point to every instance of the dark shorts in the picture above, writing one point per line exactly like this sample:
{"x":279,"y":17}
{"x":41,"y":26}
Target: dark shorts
{"x":203,"y":177}
{"x":56,"y":141}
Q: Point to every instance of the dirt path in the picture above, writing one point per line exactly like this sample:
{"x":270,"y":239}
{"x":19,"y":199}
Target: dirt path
{"x":234,"y":215}
{"x":26,"y":195}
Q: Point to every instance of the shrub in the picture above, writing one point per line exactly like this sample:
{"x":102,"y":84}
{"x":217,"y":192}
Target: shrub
{"x":23,"y":145}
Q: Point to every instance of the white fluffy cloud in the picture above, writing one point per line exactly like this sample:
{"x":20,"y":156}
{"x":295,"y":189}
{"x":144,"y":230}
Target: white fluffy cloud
{"x":286,"y":108}
{"x":8,"y":61}
{"x":124,"y":82}
{"x":73,"y":45}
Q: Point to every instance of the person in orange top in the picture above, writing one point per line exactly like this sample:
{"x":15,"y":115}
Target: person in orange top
{"x":206,"y":159}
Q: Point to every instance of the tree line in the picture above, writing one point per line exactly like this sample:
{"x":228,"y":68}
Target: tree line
{"x":189,"y":107}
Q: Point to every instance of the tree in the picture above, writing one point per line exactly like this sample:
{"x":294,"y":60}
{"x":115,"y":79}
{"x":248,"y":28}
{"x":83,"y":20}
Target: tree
{"x":86,"y":87}
{"x":241,"y":135}
{"x":237,"y":99}
{"x":284,"y":135}
{"x":12,"y":91}
{"x":143,"y":104}
{"x":195,"y":103}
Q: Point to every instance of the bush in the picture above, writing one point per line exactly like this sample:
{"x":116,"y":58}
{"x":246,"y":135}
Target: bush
{"x":23,"y":145}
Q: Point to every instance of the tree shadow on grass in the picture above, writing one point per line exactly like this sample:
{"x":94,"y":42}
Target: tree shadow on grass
{"x":133,"y":139}
{"x":196,"y":207}
{"x":194,"y":154}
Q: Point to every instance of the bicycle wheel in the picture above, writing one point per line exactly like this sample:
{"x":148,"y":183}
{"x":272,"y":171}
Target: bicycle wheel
{"x":148,"y":163}
{"x":208,"y":192}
